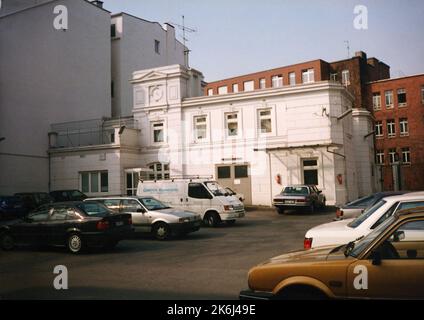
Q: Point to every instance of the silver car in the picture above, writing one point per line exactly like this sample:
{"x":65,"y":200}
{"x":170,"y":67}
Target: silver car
{"x":153,"y":216}
{"x":299,"y":197}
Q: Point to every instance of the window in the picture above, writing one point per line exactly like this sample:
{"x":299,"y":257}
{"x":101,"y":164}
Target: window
{"x":406,"y":156}
{"x":392,"y":156}
{"x":235,"y":88}
{"x":249,"y":85}
{"x":200,"y":128}
{"x":310,"y":171}
{"x":113,"y":30}
{"x":379,"y":157}
{"x":345,"y":78}
{"x":129,"y":205}
{"x":422,"y":94}
{"x":292,"y":78}
{"x":376,"y":100}
{"x":265,"y":123}
{"x":224,"y":172}
{"x":403,"y":126}
{"x":241,"y":171}
{"x":94,"y":182}
{"x":232,"y":124}
{"x":389,"y":98}
{"x":262,"y":83}
{"x":378,"y":128}
{"x":132,"y":183}
{"x":158,"y":132}
{"x":223,"y":90}
{"x":210,"y":92}
{"x":277,"y":81}
{"x":159,"y":171}
{"x":60,"y":213}
{"x":113,"y":204}
{"x":391,"y":128}
{"x":308,"y":76}
{"x":198,"y":191}
{"x":333,"y":77}
{"x":157,"y":46}
{"x":401,"y":97}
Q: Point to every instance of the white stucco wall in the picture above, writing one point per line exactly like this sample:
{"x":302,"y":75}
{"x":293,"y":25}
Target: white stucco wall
{"x":48,"y":76}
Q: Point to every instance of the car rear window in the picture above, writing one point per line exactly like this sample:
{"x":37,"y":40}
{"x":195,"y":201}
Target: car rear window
{"x":93,"y":209}
{"x":366,"y":214}
{"x":296,"y":190}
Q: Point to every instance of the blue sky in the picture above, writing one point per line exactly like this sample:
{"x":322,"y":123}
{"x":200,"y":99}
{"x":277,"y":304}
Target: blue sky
{"x":241,"y":36}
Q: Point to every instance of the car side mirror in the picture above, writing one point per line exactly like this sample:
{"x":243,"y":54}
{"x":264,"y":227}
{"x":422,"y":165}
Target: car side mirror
{"x":376,"y":258}
{"x":398,"y":236}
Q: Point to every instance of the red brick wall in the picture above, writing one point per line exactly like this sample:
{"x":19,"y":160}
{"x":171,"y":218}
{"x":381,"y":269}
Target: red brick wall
{"x":413,"y":175}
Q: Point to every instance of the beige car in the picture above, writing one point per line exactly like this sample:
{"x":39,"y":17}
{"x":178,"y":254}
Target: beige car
{"x":386,"y":264}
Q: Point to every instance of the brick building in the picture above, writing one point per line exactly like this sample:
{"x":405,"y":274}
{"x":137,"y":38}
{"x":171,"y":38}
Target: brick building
{"x":354,"y":73}
{"x":398,"y":107}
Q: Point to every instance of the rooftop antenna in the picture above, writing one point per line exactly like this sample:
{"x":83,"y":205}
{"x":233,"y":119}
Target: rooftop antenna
{"x":348,"y":48}
{"x":185,"y":39}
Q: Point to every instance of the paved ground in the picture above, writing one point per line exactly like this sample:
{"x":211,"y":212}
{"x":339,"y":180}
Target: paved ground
{"x":208,"y":264}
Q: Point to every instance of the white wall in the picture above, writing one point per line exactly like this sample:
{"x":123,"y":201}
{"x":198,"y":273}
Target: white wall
{"x":48,"y":76}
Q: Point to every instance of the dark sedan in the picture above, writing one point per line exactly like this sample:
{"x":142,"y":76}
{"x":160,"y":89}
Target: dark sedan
{"x":76,"y":225}
{"x":11,"y":207}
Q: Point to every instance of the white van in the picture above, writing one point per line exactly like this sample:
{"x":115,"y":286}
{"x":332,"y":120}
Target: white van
{"x":205,"y":197}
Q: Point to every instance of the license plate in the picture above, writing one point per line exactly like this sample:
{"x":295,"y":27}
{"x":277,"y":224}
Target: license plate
{"x":289,"y":201}
{"x":119,"y":223}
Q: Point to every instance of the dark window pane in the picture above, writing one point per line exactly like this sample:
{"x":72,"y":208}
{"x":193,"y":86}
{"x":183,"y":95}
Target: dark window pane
{"x":113,"y":30}
{"x":84,"y":182}
{"x":241,"y":172}
{"x":224,"y":172}
{"x":310,"y":177}
{"x":198,"y":191}
{"x":129,"y":180}
{"x":104,"y":182}
{"x":309,"y":163}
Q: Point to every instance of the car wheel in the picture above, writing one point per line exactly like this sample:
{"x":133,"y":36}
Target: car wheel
{"x":211,"y":219}
{"x":6,"y":241}
{"x":161,"y":231}
{"x":230,"y":222}
{"x":75,"y":243}
{"x":280,"y":210}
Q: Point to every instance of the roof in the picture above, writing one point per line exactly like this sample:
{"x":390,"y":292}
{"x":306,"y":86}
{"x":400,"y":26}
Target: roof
{"x":396,"y":79}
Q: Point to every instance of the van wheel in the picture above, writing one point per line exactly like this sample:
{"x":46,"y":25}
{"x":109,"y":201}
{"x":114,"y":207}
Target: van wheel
{"x":161,"y":231}
{"x":211,"y":219}
{"x":75,"y":243}
{"x":6,"y":241}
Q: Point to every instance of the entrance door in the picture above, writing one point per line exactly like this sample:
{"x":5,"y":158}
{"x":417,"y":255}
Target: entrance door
{"x":237,"y":178}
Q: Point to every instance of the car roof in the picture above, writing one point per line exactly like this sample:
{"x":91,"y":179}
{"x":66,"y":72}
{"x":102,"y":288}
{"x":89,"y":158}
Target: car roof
{"x":407,"y":196}
{"x":411,"y":212}
{"x":118,"y":197}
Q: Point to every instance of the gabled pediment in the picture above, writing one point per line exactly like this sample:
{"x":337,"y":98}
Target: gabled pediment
{"x":152,"y":75}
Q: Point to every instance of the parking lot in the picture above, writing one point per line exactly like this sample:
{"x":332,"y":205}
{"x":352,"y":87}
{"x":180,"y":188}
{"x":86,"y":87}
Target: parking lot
{"x":209,"y":264}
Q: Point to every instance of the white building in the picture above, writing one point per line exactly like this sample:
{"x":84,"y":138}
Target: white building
{"x":47,"y":76}
{"x":306,"y":133}
{"x":138,"y":44}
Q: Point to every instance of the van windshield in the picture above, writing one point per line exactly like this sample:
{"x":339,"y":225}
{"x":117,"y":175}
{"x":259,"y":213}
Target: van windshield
{"x":215,"y":188}
{"x":152,"y":204}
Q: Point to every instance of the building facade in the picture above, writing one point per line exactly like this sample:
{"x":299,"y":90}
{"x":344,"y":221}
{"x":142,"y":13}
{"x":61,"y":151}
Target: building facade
{"x":398,"y":108}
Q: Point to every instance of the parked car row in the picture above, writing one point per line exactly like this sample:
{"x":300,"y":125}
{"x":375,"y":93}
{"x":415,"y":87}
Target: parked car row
{"x":377,"y":254}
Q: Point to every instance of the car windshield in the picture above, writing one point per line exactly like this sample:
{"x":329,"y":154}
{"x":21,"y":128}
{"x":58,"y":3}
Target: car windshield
{"x":363,"y":243}
{"x":153,"y":204}
{"x":366,"y":214}
{"x":229,"y":191}
{"x":93,"y":209}
{"x":296,"y":190}
{"x":215,"y":188}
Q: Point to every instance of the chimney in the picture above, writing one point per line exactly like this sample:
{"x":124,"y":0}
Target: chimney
{"x":361,"y":54}
{"x":97,"y":3}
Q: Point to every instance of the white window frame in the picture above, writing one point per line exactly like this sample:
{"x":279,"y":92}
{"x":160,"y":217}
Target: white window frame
{"x":376,"y":103}
{"x":401,"y":91}
{"x":292,"y":78}
{"x":403,"y":127}
{"x":228,"y":121}
{"x":155,"y":174}
{"x":260,"y":118}
{"x":379,"y":157}
{"x":210,"y":92}
{"x":152,"y":132}
{"x":198,"y":124}
{"x":345,"y":77}
{"x":223,"y":90}
{"x":250,"y":84}
{"x":99,"y":181}
{"x":379,"y":129}
{"x":308,"y":76}
{"x":388,"y":93}
{"x":406,"y":155}
{"x":134,"y":184}
{"x":391,"y":128}
{"x":262,"y":83}
{"x":392,"y":155}
{"x":235,"y":87}
{"x":277,"y":81}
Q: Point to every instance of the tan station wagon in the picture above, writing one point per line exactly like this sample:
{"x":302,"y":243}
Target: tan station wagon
{"x":386,"y":264}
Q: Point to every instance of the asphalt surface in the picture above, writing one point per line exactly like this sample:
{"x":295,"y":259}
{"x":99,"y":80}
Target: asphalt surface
{"x":209,"y":264}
